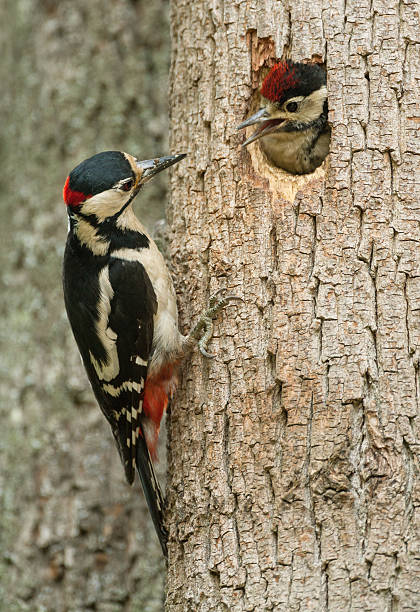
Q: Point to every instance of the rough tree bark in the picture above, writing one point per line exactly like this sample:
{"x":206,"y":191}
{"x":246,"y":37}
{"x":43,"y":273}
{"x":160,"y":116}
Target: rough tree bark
{"x":294,"y":454}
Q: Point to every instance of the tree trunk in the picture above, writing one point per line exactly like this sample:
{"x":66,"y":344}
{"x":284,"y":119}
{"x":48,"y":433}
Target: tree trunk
{"x":293,"y":454}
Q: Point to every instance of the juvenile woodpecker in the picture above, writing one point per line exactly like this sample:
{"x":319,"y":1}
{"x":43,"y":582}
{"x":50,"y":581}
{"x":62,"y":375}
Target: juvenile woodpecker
{"x":121,"y":305}
{"x":292,"y":122}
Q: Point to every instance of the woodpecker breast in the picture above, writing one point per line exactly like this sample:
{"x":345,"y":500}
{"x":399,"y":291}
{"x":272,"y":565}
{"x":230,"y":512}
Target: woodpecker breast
{"x":299,"y":152}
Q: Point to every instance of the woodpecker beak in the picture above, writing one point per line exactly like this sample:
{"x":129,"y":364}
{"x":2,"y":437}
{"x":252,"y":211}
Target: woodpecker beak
{"x":150,"y":167}
{"x":265,"y":125}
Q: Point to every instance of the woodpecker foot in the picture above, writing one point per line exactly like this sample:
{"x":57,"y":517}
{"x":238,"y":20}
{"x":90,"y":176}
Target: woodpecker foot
{"x":205,"y":322}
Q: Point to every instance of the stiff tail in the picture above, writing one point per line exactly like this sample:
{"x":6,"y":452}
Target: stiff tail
{"x":152,"y":491}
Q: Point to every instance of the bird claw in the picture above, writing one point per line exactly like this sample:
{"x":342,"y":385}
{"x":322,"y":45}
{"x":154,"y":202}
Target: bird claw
{"x":205,"y":321}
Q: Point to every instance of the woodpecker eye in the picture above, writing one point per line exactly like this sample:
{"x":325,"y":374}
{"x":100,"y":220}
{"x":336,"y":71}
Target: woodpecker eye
{"x":127,"y":185}
{"x":291,"y":107}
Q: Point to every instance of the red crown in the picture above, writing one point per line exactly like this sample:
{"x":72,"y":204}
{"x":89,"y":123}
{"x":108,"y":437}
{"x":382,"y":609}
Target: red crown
{"x":280,"y":78}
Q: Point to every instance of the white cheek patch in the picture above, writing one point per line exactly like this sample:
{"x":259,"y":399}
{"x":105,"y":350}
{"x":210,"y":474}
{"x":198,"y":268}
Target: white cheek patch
{"x":105,"y":204}
{"x":312,"y":106}
{"x":309,"y":108}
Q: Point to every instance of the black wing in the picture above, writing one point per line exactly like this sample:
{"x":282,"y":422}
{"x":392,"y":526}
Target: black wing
{"x":111,"y":315}
{"x":133,"y":306}
{"x":129,"y":334}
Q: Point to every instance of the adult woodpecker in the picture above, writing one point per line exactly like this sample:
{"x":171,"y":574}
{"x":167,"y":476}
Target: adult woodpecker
{"x":292,"y":123}
{"x":121,"y":305}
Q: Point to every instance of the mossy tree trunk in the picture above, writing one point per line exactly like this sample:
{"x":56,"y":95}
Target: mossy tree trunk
{"x":294,"y":453}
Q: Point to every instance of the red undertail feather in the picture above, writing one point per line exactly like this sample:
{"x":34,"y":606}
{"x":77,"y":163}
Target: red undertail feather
{"x":158,"y":390}
{"x":280,"y":78}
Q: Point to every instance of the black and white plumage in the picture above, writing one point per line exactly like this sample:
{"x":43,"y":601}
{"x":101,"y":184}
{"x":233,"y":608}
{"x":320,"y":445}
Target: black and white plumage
{"x":292,"y":123}
{"x":121,"y":306}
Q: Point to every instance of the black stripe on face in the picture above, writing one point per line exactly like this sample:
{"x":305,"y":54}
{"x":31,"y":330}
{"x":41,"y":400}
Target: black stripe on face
{"x":100,"y":172}
{"x":122,"y":238}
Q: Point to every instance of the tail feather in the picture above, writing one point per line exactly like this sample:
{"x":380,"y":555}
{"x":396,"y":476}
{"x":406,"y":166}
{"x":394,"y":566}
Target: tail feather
{"x":152,"y":491}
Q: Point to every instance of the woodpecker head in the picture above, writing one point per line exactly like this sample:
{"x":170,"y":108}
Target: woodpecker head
{"x":105,"y":184}
{"x":292,"y":117}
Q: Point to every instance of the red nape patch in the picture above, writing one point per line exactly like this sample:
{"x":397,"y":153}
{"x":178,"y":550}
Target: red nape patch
{"x":73,"y":198}
{"x":280,"y":78}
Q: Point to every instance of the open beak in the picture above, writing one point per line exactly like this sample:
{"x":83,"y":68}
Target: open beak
{"x":265,"y":125}
{"x":151,"y":167}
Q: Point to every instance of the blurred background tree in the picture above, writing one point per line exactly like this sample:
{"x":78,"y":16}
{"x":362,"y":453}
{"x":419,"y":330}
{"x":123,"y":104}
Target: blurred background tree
{"x":77,"y":78}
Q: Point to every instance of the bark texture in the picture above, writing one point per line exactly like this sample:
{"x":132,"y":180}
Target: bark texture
{"x":77,"y":78}
{"x":293,"y":481}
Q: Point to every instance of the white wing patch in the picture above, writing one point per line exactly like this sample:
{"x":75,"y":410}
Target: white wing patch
{"x":106,"y":335}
